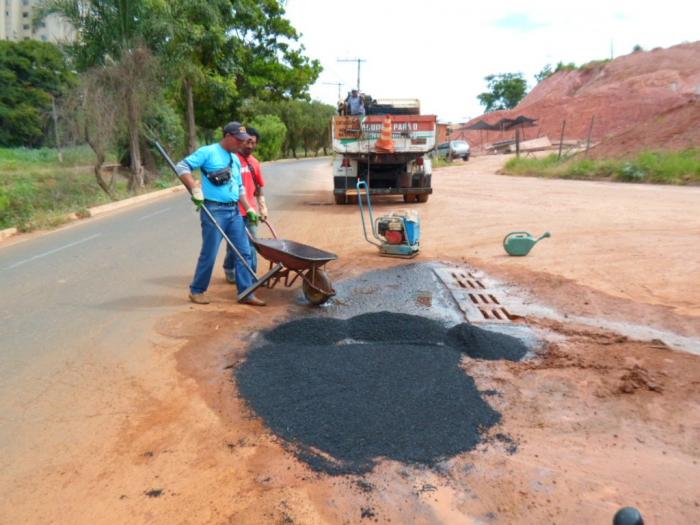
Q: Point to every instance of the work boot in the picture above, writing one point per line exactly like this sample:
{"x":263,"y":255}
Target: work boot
{"x":230,"y":276}
{"x":252,"y":301}
{"x":199,"y":298}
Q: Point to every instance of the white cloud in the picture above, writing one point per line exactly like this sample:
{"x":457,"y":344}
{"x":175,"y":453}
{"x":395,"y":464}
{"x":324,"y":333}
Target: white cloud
{"x":440,"y":51}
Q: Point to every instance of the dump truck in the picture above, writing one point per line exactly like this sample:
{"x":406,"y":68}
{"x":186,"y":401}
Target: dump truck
{"x":387,"y":148}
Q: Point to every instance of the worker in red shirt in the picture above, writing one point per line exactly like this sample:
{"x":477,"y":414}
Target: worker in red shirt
{"x":253,"y":181}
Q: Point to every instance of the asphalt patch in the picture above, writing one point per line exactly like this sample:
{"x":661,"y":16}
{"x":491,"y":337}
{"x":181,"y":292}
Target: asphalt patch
{"x":342,"y":395}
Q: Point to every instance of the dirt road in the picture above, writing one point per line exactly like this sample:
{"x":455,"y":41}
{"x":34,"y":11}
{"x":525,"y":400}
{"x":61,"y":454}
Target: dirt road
{"x":600,"y":420}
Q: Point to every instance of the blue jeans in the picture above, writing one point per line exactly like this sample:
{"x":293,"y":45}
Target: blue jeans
{"x":229,"y":261}
{"x":229,"y":218}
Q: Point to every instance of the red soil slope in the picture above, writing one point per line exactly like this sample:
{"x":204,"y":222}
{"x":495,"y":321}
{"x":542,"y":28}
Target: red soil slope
{"x":645,"y":100}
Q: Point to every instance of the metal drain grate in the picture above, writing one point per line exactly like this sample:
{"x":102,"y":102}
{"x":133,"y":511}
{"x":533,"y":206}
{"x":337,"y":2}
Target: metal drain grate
{"x":475,"y":298}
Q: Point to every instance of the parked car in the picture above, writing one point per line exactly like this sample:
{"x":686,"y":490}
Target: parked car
{"x":454,"y":149}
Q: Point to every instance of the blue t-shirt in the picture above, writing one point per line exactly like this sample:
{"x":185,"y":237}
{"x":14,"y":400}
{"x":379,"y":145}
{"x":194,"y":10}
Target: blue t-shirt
{"x":213,"y":158}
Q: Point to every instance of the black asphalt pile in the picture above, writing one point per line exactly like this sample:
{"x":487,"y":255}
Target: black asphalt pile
{"x":484,"y":344}
{"x":310,"y":331}
{"x":343,"y":407}
{"x":395,"y":328}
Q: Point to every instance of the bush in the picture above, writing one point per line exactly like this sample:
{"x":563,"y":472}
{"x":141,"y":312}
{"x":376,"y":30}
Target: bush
{"x":273,"y":133}
{"x":659,"y":167}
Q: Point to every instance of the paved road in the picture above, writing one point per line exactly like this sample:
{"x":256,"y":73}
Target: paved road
{"x":85,"y":297}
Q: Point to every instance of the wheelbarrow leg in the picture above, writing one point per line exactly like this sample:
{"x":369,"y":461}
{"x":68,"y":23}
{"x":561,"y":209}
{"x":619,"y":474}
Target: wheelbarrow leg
{"x":257,"y":284}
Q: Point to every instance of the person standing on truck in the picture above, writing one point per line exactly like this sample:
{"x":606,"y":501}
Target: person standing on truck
{"x":221,"y":190}
{"x":252,"y":176}
{"x":356,"y":105}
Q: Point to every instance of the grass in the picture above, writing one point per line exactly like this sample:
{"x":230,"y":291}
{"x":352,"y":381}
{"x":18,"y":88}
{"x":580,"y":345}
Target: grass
{"x":682,"y":167}
{"x":38,"y":192}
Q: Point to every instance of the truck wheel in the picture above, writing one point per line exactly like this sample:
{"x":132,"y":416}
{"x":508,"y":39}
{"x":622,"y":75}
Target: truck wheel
{"x":340,"y":198}
{"x":422,"y":197}
{"x":409,"y":197}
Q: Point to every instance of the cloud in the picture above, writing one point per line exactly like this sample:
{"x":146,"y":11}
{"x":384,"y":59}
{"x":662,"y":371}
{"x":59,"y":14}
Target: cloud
{"x":519,"y":22}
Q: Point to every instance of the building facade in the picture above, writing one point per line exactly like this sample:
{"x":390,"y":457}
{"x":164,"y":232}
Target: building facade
{"x":16,"y":23}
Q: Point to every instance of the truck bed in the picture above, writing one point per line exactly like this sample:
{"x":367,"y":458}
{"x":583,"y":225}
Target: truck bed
{"x":358,"y":134}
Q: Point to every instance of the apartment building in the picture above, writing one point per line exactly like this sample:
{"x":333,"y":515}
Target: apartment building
{"x":16,"y":23}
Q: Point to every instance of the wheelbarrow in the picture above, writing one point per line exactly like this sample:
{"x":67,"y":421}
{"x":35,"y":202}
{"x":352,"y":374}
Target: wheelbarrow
{"x":290,"y":260}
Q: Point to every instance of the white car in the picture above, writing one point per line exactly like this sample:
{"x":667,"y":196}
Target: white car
{"x":455,"y":149}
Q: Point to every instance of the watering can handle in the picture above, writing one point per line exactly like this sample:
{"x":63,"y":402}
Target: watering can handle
{"x":505,"y":239}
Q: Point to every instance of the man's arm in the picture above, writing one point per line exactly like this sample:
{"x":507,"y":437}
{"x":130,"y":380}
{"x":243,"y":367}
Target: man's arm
{"x":184,"y":171}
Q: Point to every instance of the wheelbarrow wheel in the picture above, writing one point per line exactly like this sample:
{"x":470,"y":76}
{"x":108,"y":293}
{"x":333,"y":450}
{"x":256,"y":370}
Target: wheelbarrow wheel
{"x":319,"y":279}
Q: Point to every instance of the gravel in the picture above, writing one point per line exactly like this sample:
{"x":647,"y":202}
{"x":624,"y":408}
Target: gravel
{"x":394,"y":390}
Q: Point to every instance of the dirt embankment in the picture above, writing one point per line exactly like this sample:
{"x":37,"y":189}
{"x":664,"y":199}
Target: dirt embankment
{"x":645,"y":100}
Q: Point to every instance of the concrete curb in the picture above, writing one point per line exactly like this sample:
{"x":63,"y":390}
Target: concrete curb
{"x":112,"y":206}
{"x":7,"y":233}
{"x":96,"y":211}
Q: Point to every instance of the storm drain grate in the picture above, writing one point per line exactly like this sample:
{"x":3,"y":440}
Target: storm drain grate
{"x":478,"y":300}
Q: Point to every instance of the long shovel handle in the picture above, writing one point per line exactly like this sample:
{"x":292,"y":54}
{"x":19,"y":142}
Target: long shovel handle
{"x":170,"y":162}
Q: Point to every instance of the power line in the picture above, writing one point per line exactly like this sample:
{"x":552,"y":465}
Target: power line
{"x":358,"y":60}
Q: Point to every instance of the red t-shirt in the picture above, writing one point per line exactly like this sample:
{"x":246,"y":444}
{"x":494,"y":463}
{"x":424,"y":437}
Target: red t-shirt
{"x":252,"y":179}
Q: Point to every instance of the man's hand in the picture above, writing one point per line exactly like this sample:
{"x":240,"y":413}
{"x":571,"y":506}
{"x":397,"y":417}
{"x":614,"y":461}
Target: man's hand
{"x":197,"y":197}
{"x":262,"y":206}
{"x":253,"y":217}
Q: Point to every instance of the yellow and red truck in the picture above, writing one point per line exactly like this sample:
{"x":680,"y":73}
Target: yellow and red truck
{"x":388,"y":148}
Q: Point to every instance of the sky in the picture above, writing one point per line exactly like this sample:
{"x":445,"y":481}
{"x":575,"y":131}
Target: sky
{"x":439,"y":51}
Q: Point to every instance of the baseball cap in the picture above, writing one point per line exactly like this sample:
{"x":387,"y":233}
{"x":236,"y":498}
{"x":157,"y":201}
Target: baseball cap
{"x":237,"y":130}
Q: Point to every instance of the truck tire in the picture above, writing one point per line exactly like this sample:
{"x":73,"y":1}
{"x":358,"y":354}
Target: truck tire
{"x":340,"y":198}
{"x":409,"y":198}
{"x":422,"y":197}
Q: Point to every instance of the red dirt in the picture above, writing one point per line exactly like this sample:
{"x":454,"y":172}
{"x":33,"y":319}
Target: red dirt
{"x":645,"y":100}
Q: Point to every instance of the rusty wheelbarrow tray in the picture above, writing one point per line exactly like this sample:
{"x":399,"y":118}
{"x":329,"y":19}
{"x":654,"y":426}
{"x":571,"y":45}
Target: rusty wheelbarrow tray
{"x":290,"y":260}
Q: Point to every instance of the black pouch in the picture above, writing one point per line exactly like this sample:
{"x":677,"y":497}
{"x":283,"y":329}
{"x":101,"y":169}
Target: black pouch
{"x":219,"y":177}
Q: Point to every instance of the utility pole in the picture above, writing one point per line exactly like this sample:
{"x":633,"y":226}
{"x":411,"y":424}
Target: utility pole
{"x":358,"y":60}
{"x":340,"y":86}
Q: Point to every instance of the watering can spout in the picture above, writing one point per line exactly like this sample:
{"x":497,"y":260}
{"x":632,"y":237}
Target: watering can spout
{"x":519,"y":244}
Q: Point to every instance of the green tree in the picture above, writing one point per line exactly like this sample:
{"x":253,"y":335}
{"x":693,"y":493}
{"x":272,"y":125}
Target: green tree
{"x":266,"y":63}
{"x":273,"y":133}
{"x":116,"y":35}
{"x":195,"y":55}
{"x":223,"y":52}
{"x":32,"y":74}
{"x":544,"y":74}
{"x":505,"y":91}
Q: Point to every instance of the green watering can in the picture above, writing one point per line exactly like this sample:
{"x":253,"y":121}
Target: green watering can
{"x":520,"y":243}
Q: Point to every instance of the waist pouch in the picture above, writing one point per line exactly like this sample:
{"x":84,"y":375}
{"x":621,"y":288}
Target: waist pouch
{"x":219,"y":177}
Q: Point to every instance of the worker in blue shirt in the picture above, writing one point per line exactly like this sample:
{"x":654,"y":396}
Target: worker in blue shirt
{"x":221,"y":189}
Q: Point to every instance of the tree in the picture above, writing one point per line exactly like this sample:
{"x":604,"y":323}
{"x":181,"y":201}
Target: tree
{"x":505,"y":91}
{"x":195,"y":51}
{"x":223,"y":52}
{"x":273,"y":133}
{"x":32,"y":74}
{"x":544,"y":74}
{"x":116,"y":34}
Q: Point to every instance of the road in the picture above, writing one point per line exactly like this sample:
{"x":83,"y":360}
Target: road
{"x":117,"y":403}
{"x":83,"y":299}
